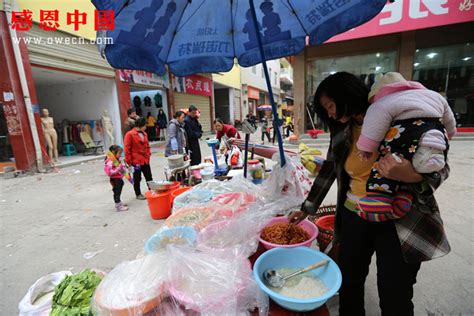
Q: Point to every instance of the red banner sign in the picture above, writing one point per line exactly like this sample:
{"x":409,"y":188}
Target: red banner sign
{"x":199,"y":85}
{"x":405,"y":15}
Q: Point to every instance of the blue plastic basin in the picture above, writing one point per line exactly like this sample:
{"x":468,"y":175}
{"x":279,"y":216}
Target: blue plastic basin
{"x":295,"y":258}
{"x":185,"y":232}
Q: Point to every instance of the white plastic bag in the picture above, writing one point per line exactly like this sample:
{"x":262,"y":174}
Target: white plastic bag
{"x":39,"y":298}
{"x":290,"y":184}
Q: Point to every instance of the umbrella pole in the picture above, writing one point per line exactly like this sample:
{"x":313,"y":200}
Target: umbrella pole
{"x":276,"y":119}
{"x":246,"y":153}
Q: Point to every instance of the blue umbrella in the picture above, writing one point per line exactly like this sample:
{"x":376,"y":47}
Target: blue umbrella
{"x":193,"y":36}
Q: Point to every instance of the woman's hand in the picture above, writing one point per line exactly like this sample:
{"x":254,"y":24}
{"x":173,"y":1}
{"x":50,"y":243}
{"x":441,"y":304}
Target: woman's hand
{"x":401,"y":170}
{"x":296,"y":217}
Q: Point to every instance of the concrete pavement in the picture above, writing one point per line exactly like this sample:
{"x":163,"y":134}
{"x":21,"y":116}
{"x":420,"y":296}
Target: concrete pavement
{"x":49,"y":222}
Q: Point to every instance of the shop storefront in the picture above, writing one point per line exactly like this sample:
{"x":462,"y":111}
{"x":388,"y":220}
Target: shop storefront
{"x":148,"y":96}
{"x":432,"y":44}
{"x":253,"y":99}
{"x":195,"y":90}
{"x":77,"y":87}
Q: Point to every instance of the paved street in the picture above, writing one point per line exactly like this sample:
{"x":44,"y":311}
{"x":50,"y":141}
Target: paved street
{"x":49,"y":222}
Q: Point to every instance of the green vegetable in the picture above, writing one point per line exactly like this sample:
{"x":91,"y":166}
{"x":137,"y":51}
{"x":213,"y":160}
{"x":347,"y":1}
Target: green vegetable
{"x":72,"y":297}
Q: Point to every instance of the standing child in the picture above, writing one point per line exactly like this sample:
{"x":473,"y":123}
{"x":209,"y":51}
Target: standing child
{"x":116,"y":172}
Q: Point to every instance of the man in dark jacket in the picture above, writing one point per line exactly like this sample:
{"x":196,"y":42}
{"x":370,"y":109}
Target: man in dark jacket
{"x":194,"y":133}
{"x":129,"y":123}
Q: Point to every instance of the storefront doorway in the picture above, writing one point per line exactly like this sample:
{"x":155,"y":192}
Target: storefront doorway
{"x":148,"y":101}
{"x":76,"y":102}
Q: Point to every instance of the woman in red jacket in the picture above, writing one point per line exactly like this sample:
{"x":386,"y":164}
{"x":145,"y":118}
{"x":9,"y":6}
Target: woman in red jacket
{"x":224,"y":129}
{"x":137,"y":154}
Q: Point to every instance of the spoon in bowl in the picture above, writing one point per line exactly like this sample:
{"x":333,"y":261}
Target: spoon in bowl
{"x":274,"y":279}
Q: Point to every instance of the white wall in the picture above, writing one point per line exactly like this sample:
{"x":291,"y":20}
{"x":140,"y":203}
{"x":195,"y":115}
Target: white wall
{"x":82,"y":102}
{"x":258,"y":81}
{"x":153,"y":109}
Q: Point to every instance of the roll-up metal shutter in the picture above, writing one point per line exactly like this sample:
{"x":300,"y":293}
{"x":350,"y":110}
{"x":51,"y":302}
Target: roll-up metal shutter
{"x":183,"y":101}
{"x":65,"y":51}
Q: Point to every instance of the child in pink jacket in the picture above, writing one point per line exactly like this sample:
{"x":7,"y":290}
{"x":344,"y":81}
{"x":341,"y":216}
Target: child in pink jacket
{"x":115,"y":169}
{"x":409,"y":121}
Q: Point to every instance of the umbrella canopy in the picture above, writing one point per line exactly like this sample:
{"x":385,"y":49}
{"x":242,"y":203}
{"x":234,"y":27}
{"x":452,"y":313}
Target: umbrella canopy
{"x":265,"y":107}
{"x":207,"y":35}
{"x":192,"y":36}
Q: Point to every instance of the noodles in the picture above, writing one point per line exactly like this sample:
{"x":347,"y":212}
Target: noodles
{"x":284,"y":234}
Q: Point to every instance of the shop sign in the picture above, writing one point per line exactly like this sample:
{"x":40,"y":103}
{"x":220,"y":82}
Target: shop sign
{"x":144,"y":77}
{"x":199,"y":85}
{"x":253,"y":93}
{"x":406,"y":15}
{"x":194,"y":84}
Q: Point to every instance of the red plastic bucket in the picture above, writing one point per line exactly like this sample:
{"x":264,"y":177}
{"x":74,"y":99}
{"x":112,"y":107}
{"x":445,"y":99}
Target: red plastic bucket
{"x":175,"y":186}
{"x":326,"y":230}
{"x":177,"y":192}
{"x":159,"y":204}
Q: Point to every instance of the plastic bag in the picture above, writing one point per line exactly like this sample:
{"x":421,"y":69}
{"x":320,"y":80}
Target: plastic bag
{"x":290,"y":184}
{"x":133,"y":287}
{"x":39,"y":298}
{"x":202,"y":282}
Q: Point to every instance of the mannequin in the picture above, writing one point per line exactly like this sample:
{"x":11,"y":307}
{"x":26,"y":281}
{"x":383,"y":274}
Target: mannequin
{"x":108,"y":127}
{"x":50,"y":135}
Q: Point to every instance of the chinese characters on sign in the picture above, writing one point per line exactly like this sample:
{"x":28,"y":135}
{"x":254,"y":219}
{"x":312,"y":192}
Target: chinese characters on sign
{"x":203,"y":47}
{"x":199,"y":85}
{"x":194,"y":84}
{"x":144,"y":77}
{"x":49,"y":20}
{"x":400,"y":16}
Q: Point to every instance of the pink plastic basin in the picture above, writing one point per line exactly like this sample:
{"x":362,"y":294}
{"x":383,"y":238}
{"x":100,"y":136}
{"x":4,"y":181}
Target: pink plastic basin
{"x":308,"y":226}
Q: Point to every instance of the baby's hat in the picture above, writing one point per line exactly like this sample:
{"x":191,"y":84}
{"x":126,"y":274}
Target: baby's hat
{"x":382,"y":80}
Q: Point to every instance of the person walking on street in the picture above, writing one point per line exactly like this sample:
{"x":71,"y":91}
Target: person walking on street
{"x":265,"y":131}
{"x":151,"y":127}
{"x":162,"y":122}
{"x":194,"y":133}
{"x":176,"y":135}
{"x":137,"y":154}
{"x":129,"y":123}
{"x":116,"y":173}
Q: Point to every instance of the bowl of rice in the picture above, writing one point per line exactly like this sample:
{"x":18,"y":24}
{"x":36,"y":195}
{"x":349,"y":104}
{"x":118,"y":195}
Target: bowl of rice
{"x":305,"y":292}
{"x":278,"y":233}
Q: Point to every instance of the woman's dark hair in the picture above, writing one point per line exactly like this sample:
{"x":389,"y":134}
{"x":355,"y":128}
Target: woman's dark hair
{"x":115,"y":149}
{"x":348,"y":92}
{"x":130,"y":111}
{"x":149,"y":114}
{"x":140,"y":122}
{"x":218,"y":120}
{"x":178,"y":114}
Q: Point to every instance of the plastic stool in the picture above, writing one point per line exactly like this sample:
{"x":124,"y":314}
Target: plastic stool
{"x":69,"y":150}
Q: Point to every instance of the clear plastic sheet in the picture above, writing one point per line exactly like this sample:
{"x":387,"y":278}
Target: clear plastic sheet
{"x":204,"y":283}
{"x":133,"y":287}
